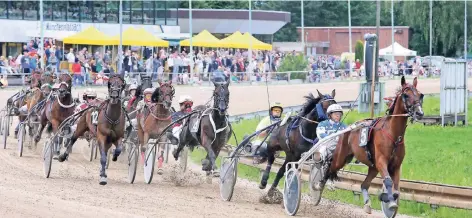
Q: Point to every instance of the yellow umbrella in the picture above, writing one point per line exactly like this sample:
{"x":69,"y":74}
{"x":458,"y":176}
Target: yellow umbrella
{"x":203,"y":39}
{"x":232,"y":41}
{"x":149,"y":37}
{"x":256,"y":44}
{"x":238,"y":40}
{"x":90,"y":36}
{"x":132,"y":36}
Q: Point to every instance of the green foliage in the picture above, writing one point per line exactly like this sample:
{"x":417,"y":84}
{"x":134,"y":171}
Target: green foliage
{"x":293,"y":63}
{"x":359,"y":49}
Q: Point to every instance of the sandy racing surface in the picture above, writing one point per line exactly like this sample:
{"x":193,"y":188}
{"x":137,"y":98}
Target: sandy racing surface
{"x":73,"y":189}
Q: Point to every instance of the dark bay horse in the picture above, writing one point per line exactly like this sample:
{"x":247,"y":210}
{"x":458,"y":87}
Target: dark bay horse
{"x":57,"y":108}
{"x":154,"y":117}
{"x":209,"y":128}
{"x":111,"y":124}
{"x":385,"y":148}
{"x":297,"y":136}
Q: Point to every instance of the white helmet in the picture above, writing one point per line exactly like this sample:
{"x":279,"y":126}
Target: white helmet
{"x":90,"y":92}
{"x":132,"y":87}
{"x":148,"y":91}
{"x":185,"y":98}
{"x":334,"y":108}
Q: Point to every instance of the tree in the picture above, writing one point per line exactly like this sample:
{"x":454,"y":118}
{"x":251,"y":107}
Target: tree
{"x":359,"y":49}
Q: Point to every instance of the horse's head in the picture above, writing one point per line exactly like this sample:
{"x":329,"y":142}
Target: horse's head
{"x":326,"y":100}
{"x":46,"y":88}
{"x":146,"y":82}
{"x":65,"y":87}
{"x":116,"y":85}
{"x":221,"y":97}
{"x":165,"y":93}
{"x":47,"y":78}
{"x":412,"y":99}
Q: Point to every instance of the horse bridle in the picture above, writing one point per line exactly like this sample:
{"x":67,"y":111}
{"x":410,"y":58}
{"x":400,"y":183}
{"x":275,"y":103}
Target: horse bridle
{"x":114,"y":89}
{"x":162,"y":95}
{"x":410,"y":109}
{"x":220,"y":98}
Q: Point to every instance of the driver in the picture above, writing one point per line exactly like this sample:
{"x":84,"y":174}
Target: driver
{"x":326,"y":128}
{"x":257,"y":147}
{"x":89,"y":96}
{"x":146,"y":100}
{"x":185,"y":103}
{"x":132,"y":91}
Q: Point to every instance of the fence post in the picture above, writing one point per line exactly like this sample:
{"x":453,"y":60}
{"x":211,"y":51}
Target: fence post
{"x":288,"y":76}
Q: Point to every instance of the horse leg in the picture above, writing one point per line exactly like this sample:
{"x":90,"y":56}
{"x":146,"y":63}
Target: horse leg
{"x":211,"y":157}
{"x":181,"y":144}
{"x":382,"y":167}
{"x":265,"y":176}
{"x":42,"y":124}
{"x":396,"y":182}
{"x":103,"y":160}
{"x":365,"y":188}
{"x":79,"y":131}
{"x":119,"y":147}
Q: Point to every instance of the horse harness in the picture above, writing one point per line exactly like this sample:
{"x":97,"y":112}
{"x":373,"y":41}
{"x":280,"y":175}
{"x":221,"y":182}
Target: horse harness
{"x":296,"y":122}
{"x":195,"y":129}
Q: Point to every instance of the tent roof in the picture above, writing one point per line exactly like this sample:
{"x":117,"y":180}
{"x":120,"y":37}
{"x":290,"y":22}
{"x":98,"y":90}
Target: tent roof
{"x":238,"y":40}
{"x":140,"y":37}
{"x":398,"y":49}
{"x":203,"y":39}
{"x":90,"y":36}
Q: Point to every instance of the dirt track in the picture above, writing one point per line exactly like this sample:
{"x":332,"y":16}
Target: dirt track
{"x":73,"y":189}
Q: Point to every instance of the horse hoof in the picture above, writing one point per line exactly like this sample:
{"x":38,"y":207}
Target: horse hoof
{"x":175,"y":154}
{"x":392,"y":205}
{"x":103,"y":180}
{"x":367,"y":209}
{"x":216,"y":174}
{"x":115,"y":158}
{"x":62,"y":157}
{"x":261,"y":186}
{"x":160,"y":171}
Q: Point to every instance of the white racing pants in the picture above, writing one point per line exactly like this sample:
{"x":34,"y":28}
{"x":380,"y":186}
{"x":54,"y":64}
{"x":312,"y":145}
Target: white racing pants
{"x":176,"y":131}
{"x":255,"y":146}
{"x":326,"y":150}
{"x":23,"y":110}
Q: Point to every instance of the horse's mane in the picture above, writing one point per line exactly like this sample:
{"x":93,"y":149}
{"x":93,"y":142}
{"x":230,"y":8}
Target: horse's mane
{"x":310,"y":104}
{"x":139,"y":91}
{"x":155,"y":96}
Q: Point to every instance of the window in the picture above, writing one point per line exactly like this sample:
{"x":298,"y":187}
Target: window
{"x":99,"y":11}
{"x":31,"y":10}
{"x":3,"y":9}
{"x":59,"y":12}
{"x":86,"y":9}
{"x":47,"y":10}
{"x":14,"y":11}
{"x":172,"y":8}
{"x":126,"y":11}
{"x":73,"y":11}
{"x":137,"y":12}
{"x":160,"y":13}
{"x":112,"y":11}
{"x":148,"y":13}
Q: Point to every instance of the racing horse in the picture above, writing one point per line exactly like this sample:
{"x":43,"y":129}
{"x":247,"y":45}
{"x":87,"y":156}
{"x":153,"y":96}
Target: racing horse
{"x":57,"y":108}
{"x":111,"y":124}
{"x":209,"y":127}
{"x":385,"y":148}
{"x":296,"y":136}
{"x":156,"y":116}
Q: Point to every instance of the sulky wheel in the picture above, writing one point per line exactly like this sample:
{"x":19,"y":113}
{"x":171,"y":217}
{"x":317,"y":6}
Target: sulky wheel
{"x":6,"y":125}
{"x":315,"y":177}
{"x":228,"y":176}
{"x":388,"y":213}
{"x":149,"y":162}
{"x":21,"y":138}
{"x":292,"y":191}
{"x":47,"y":156}
{"x":132,"y":162}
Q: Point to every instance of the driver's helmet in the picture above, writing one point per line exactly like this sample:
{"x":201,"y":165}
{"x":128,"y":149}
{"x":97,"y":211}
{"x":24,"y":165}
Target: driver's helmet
{"x":186,"y":100}
{"x":132,"y":87}
{"x":147,"y":94}
{"x":276,"y":105}
{"x":90,"y":94}
{"x":334,"y":108}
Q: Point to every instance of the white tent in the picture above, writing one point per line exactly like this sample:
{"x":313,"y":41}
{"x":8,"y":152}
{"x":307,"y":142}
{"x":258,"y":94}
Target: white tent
{"x":398,"y":49}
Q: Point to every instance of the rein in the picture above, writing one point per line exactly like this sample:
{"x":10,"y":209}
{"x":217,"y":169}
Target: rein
{"x":151,"y":112}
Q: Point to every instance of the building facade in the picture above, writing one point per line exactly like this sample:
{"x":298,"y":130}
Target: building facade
{"x":335,"y":40}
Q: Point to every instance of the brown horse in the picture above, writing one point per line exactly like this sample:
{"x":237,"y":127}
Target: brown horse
{"x":385,"y":148}
{"x":111,"y":124}
{"x":57,"y":108}
{"x":156,"y":116}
